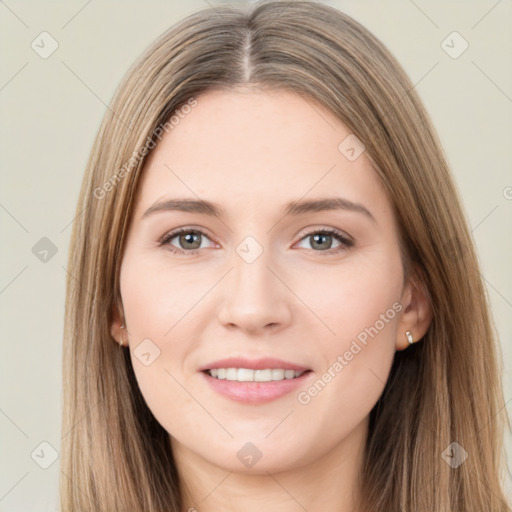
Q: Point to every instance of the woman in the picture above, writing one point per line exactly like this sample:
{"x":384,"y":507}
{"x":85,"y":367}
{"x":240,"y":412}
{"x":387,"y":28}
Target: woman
{"x":264,"y":367}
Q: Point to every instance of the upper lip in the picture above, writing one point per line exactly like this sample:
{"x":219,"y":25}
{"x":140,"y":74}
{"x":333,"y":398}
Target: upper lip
{"x":253,"y":364}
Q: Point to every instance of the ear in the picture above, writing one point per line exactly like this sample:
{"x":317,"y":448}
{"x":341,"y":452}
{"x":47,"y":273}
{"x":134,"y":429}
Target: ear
{"x":417,"y":311}
{"x":116,"y":331}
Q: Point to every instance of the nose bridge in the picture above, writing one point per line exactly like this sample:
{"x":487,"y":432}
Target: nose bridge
{"x":252,"y":280}
{"x":254,"y":297}
{"x":251,"y":267}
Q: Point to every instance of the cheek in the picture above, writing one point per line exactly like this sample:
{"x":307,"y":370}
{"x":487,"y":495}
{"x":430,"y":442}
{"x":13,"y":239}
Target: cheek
{"x":356,"y":295}
{"x":359,"y":307}
{"x":158,"y":298}
{"x":164,"y":317}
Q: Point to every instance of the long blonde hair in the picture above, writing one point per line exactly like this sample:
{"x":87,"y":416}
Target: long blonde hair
{"x":444,"y":389}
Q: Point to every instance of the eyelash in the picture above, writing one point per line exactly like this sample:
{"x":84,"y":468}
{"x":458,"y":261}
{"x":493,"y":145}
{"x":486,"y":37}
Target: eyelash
{"x":346,"y":243}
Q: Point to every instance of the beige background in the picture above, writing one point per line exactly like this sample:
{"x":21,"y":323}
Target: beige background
{"x":51,"y":109}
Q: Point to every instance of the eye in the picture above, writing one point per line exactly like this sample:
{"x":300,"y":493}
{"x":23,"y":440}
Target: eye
{"x":189,"y":240}
{"x":322,"y":240}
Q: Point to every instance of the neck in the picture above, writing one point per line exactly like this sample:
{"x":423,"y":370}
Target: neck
{"x":330,"y":482}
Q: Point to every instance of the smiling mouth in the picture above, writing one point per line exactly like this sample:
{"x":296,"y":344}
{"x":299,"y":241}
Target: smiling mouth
{"x":250,"y":375}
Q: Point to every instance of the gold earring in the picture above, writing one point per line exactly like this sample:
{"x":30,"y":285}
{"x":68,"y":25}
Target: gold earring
{"x":409,"y":337}
{"x":121,"y":343}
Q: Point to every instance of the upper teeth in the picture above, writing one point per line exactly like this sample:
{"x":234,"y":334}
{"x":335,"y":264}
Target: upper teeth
{"x":248,"y":375}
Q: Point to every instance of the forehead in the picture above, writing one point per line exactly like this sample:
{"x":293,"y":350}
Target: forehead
{"x":252,"y":147}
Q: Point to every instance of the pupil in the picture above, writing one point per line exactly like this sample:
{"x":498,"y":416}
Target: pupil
{"x":318,"y":236}
{"x":189,"y":238}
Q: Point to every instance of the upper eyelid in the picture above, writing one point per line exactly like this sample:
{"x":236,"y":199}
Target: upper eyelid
{"x":332,"y":231}
{"x":178,"y":231}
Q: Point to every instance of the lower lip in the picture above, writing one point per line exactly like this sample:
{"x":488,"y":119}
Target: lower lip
{"x":255,"y":392}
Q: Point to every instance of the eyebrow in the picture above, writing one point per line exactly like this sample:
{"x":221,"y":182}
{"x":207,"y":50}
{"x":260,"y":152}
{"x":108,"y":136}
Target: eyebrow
{"x":293,"y":208}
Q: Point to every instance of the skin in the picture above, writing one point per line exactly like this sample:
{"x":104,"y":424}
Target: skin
{"x":252,"y":152}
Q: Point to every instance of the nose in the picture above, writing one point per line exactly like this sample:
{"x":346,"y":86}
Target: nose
{"x":255,"y":298}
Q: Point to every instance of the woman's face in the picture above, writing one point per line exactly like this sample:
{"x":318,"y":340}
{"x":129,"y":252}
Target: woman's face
{"x":309,"y":286}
